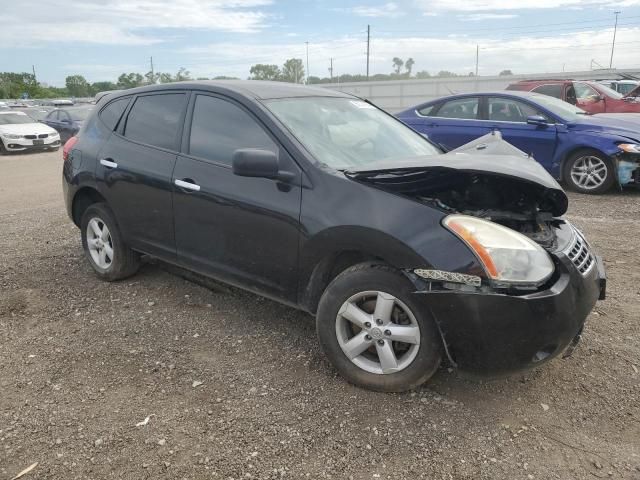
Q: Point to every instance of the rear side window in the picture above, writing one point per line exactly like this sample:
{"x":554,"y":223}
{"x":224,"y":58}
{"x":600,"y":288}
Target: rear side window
{"x":219,"y":128}
{"x":466,"y":108}
{"x":53,"y":116}
{"x":111,"y":114}
{"x":155,"y":119}
{"x":553,"y":90}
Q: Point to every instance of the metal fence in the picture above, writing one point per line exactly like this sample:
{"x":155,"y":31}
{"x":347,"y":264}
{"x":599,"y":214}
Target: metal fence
{"x":397,"y":95}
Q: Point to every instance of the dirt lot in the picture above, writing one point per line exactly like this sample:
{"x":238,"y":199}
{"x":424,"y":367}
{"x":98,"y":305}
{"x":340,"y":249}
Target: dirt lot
{"x":82,"y":362}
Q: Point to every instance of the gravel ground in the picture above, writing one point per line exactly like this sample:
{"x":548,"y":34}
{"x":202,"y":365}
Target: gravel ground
{"x":235,"y":386}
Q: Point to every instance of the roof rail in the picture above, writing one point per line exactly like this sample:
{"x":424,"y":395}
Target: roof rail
{"x":547,"y":79}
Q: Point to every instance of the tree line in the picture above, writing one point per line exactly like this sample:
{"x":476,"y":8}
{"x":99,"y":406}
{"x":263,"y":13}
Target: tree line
{"x":15,"y":85}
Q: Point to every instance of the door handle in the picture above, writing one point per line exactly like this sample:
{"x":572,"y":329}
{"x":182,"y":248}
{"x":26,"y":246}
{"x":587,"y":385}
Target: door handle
{"x":107,"y":162}
{"x":187,"y":184}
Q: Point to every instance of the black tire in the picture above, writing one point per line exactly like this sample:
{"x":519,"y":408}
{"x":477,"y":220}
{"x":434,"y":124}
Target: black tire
{"x":125,"y":262}
{"x":3,"y":150}
{"x":581,"y":156}
{"x":367,"y":277}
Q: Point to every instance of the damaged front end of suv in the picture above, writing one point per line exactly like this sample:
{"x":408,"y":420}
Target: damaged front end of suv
{"x":539,"y":278}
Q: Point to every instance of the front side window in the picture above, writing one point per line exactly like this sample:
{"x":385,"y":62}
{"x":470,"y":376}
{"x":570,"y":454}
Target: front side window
{"x":53,"y":116}
{"x":155,"y":119}
{"x":465,"y":108}
{"x":509,"y":110}
{"x":64,"y":116}
{"x":346,"y":133}
{"x":552,"y":89}
{"x":584,"y":91}
{"x":111,"y":114}
{"x":219,"y":128}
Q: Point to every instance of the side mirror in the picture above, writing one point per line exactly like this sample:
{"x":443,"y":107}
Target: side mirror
{"x":538,"y":120}
{"x":253,"y":162}
{"x":597,"y":98}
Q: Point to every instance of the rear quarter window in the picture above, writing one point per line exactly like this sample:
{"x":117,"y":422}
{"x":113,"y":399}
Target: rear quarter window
{"x":427,"y":111}
{"x":552,"y":90}
{"x":110,"y":115}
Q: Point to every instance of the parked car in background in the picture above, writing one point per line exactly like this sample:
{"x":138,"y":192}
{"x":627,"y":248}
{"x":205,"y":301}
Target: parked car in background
{"x":322,"y":201}
{"x":19,"y":132}
{"x":624,"y":87}
{"x":68,"y":121}
{"x":591,"y":97}
{"x":590,"y":153}
{"x":36,"y":112}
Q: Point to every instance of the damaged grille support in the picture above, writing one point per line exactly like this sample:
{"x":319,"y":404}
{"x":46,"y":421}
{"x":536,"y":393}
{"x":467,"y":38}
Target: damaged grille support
{"x":452,"y":277}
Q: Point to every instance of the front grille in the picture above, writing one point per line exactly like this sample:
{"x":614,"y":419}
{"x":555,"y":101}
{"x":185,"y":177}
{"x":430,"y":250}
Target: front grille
{"x":30,"y":137}
{"x":43,"y":135}
{"x":579,"y":253}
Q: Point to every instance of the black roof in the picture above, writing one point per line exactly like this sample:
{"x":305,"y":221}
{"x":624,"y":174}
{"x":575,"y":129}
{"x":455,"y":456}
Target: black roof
{"x":258,"y":89}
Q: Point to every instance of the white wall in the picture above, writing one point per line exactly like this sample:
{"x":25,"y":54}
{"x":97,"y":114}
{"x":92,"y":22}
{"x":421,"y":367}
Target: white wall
{"x":397,"y":95}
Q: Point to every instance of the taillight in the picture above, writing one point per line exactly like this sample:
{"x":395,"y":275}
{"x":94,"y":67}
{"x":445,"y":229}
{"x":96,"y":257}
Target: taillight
{"x":67,"y":147}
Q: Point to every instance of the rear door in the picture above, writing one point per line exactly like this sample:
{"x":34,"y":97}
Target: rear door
{"x":240,"y":229}
{"x":135,"y":169}
{"x":453,"y":122}
{"x":509,"y":116}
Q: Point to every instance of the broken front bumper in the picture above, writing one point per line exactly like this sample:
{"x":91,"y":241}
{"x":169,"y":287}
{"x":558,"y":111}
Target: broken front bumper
{"x":493,"y":333}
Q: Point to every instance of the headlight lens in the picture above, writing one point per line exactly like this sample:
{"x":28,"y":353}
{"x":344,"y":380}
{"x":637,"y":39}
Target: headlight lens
{"x":507,"y":255}
{"x":629,"y":147}
{"x":54,"y":134}
{"x":11,"y":136}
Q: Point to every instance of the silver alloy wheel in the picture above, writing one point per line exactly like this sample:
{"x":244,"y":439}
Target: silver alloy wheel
{"x":589,"y":172}
{"x":100,"y":243}
{"x":378,"y":332}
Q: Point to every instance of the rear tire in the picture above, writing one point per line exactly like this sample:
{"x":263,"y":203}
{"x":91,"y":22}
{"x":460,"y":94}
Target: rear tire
{"x":363,"y":316}
{"x":589,"y":171}
{"x":108,"y":255}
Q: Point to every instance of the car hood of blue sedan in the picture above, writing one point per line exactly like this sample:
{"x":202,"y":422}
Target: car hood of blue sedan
{"x":625,"y":125}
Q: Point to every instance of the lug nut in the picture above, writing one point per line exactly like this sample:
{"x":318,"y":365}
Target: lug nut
{"x":387,"y":333}
{"x":379,"y":322}
{"x":380,"y":342}
{"x":367,"y":337}
{"x":367,"y":324}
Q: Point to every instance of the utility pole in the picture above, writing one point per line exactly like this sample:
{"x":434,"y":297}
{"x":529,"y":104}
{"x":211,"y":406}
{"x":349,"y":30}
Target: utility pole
{"x":33,"y":67}
{"x":331,"y":69}
{"x":368,"y":44}
{"x":153,"y":77}
{"x":307,"y":43}
{"x":615,"y":28}
{"x":477,"y":58}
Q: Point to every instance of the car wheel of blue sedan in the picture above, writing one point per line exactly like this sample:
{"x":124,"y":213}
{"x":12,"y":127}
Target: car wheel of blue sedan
{"x":589,"y":171}
{"x":376,"y":331}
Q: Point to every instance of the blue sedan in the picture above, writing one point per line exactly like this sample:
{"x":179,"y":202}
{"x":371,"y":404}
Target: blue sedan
{"x":590,"y":153}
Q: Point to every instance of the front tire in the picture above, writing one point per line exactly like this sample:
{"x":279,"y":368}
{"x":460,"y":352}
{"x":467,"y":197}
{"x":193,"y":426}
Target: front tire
{"x":589,"y":171}
{"x":376,"y":331}
{"x":108,"y":255}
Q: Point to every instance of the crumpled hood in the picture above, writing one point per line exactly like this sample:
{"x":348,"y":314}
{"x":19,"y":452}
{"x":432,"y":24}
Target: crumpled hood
{"x":622,"y":124}
{"x":488,"y":154}
{"x":26,"y":129}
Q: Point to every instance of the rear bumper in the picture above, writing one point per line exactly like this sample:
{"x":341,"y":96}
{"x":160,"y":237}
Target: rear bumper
{"x":498,"y":333}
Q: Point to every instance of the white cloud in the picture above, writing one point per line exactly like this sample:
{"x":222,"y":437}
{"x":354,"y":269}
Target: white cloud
{"x":124,"y":22}
{"x":498,"y":5}
{"x":479,"y":17}
{"x":387,"y":10}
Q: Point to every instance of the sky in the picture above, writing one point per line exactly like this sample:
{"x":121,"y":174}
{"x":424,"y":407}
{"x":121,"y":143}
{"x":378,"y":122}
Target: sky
{"x":100,"y":39}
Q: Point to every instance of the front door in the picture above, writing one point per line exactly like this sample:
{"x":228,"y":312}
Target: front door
{"x":134,"y":171}
{"x":509,"y":116}
{"x":240,"y":229}
{"x":588,"y":99}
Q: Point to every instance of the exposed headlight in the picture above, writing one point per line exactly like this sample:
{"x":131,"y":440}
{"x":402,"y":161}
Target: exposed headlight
{"x":54,"y":134}
{"x":11,"y":136}
{"x":507,"y":256}
{"x":629,"y":147}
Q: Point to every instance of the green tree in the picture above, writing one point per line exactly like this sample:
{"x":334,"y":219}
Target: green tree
{"x":446,"y":73}
{"x":183,"y":75}
{"x":397,"y":64}
{"x":423,"y":74}
{"x":13,"y":85}
{"x":408,"y":65}
{"x":102,"y":87}
{"x":504,"y":73}
{"x":77,"y":86}
{"x":262,"y":71}
{"x":130,"y":80}
{"x":293,"y":71}
{"x":164,"y":77}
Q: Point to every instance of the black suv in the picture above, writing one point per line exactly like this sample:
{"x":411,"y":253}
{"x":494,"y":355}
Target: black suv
{"x":320,"y":200}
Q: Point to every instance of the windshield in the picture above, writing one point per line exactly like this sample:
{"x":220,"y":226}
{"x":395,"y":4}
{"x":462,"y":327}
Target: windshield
{"x":610,"y":92}
{"x":562,"y":109}
{"x":347,"y":133}
{"x":13,"y":118}
{"x":625,"y":88}
{"x":80,"y":114}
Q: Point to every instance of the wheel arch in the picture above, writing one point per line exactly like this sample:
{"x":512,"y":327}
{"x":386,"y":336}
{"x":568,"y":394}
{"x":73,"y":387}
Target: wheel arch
{"x":84,"y":198}
{"x":578,"y":148}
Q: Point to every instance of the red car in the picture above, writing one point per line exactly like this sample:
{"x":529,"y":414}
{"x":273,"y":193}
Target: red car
{"x":590,"y":96}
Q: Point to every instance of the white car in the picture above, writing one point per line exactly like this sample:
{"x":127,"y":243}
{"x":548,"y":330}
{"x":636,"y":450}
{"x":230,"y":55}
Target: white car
{"x":19,"y":132}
